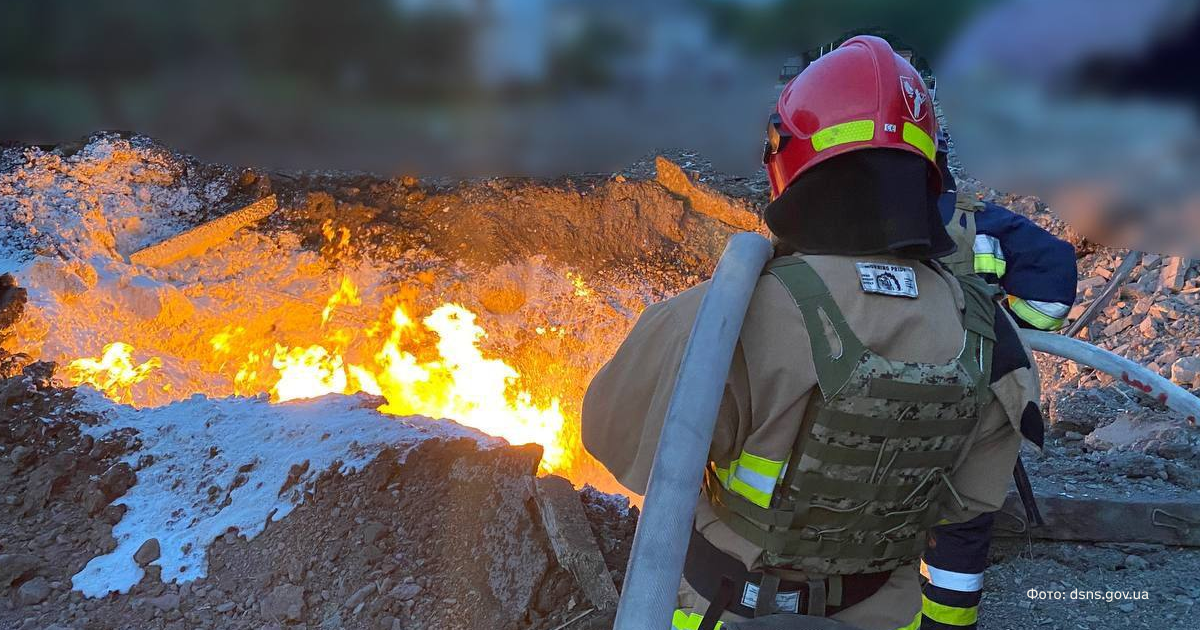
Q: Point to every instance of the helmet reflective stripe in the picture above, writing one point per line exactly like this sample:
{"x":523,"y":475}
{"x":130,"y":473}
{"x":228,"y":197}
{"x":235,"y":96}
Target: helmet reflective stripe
{"x":853,"y":131}
{"x":917,"y":137}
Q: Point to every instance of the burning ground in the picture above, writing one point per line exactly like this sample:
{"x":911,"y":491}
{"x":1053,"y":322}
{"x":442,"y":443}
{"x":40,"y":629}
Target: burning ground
{"x":488,"y":304}
{"x":303,"y":414}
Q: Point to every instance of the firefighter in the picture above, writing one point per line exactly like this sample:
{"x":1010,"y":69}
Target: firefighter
{"x":872,"y":393}
{"x":1034,"y":268}
{"x":1037,"y":272}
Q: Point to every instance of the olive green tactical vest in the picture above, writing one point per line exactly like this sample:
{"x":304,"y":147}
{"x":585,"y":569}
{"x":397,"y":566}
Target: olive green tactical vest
{"x":961,"y":229}
{"x":876,"y":448}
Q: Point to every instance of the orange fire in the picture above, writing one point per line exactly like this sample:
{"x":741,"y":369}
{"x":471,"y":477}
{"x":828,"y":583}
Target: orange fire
{"x":443,"y":376}
{"x":113,"y":372}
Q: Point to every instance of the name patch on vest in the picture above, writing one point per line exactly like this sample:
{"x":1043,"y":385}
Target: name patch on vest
{"x":784,"y":602}
{"x":894,"y":280}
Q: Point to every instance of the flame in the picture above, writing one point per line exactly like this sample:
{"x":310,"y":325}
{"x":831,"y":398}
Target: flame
{"x":346,"y":294}
{"x":472,"y":389}
{"x":434,"y":367}
{"x":307,"y":373}
{"x":114,"y":372}
{"x":581,"y":288}
{"x":460,"y":383}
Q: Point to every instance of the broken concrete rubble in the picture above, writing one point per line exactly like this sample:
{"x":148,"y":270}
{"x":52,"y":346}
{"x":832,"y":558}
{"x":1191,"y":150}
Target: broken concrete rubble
{"x":1174,"y":273}
{"x":12,"y":303}
{"x":571,"y":537}
{"x":1186,"y":370}
{"x":1139,"y":519}
{"x":705,"y":200}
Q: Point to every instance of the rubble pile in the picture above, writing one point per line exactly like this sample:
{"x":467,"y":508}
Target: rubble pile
{"x":1105,"y":435}
{"x":431,"y":527}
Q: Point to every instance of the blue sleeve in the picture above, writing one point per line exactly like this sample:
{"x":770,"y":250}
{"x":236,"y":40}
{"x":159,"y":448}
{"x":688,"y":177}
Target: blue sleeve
{"x":1039,"y":266}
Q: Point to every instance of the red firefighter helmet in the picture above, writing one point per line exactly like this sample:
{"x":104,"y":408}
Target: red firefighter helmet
{"x":860,"y":96}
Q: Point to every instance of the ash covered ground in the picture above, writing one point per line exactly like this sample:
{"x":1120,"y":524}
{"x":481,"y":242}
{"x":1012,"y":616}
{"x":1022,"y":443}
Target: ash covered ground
{"x":384,"y":527}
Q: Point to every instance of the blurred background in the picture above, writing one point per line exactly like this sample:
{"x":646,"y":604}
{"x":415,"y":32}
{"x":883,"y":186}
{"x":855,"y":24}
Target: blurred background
{"x":427,"y":87}
{"x":1090,"y":105}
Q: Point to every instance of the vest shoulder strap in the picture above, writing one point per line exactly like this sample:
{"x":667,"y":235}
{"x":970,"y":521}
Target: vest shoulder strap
{"x":979,"y":311}
{"x":961,"y":229}
{"x":979,"y":319}
{"x":817,"y":307}
{"x":968,"y":202}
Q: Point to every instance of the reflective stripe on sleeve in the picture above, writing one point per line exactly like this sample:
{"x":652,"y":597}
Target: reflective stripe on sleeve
{"x":985,"y":244}
{"x":952,"y":580}
{"x":949,"y":615}
{"x":989,"y":256}
{"x":987,"y":263}
{"x":1042,"y":315}
{"x":755,"y":477}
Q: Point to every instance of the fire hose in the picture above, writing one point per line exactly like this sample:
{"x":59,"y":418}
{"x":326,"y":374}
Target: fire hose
{"x":1137,"y":376}
{"x":660,"y":542}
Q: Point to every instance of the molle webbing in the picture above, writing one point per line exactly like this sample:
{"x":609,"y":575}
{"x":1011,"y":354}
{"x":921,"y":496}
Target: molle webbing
{"x":889,"y":428}
{"x":913,"y":392}
{"x":865,"y":476}
{"x":797,"y":513}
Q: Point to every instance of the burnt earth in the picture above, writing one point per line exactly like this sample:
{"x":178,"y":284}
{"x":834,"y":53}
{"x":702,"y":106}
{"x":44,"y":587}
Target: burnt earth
{"x":449,"y":538}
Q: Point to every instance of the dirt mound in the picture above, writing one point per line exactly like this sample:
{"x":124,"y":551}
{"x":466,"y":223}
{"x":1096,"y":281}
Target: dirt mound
{"x":436,"y":533}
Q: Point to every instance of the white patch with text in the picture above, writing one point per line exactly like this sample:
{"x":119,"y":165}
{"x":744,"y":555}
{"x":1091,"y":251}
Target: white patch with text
{"x":784,"y":602}
{"x":894,"y":280}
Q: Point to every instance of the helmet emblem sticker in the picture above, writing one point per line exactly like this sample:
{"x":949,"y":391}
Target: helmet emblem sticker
{"x":914,"y":97}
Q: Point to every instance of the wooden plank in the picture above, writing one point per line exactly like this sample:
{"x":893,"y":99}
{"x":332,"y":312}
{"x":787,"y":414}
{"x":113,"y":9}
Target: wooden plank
{"x":703,"y":200}
{"x":198,"y":239}
{"x":1161,"y":520}
{"x":573,"y":542}
{"x":1126,"y":267}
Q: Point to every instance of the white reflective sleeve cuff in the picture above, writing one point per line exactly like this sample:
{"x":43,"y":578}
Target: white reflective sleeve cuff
{"x":953,"y":580}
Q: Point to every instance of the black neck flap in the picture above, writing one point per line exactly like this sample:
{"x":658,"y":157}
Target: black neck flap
{"x":871,"y":201}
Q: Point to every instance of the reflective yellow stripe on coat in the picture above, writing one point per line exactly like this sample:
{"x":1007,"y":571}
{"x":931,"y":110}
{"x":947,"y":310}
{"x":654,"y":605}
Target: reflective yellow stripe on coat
{"x":754,"y":478}
{"x":989,"y":256}
{"x":688,"y":621}
{"x":949,"y":615}
{"x":1043,"y":315}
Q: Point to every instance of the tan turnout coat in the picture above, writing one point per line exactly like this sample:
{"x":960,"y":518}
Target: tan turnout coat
{"x":769,"y":384}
